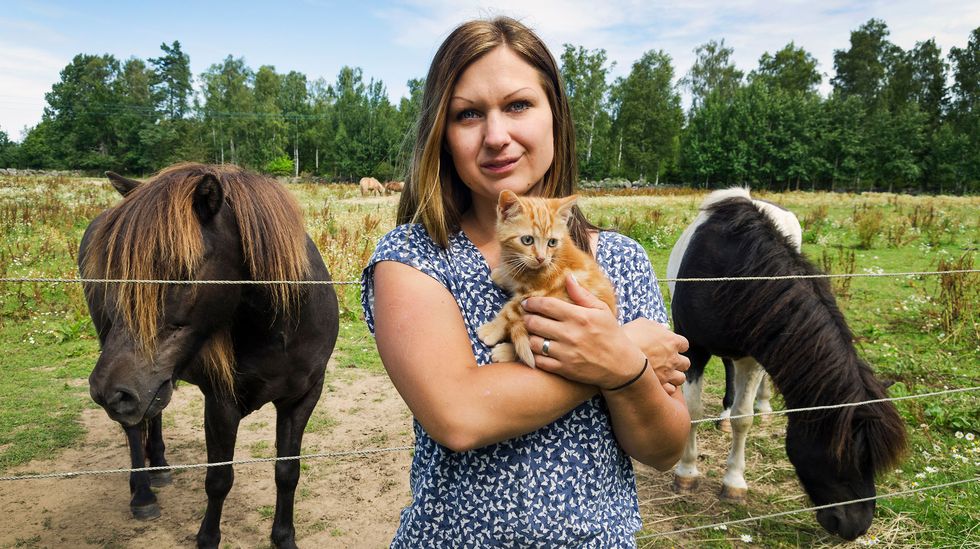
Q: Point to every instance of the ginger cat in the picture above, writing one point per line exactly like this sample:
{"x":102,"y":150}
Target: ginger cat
{"x":536,"y":255}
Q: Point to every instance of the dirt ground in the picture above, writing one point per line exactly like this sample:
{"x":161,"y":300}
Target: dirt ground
{"x":343,"y":502}
{"x":349,"y":502}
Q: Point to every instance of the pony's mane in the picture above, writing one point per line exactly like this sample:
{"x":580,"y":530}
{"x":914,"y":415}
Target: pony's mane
{"x":154,"y":233}
{"x":797,"y":331}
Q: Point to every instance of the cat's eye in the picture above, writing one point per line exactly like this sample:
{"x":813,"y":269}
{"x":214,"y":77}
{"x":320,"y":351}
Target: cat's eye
{"x":552,"y":242}
{"x":527,"y":240}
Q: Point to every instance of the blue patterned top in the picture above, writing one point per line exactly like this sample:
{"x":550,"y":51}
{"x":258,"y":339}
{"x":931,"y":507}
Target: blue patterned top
{"x":568,"y":484}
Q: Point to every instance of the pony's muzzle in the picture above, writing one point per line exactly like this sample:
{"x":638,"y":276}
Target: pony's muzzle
{"x":849,"y":524}
{"x":125,"y":405}
{"x":119,"y":402}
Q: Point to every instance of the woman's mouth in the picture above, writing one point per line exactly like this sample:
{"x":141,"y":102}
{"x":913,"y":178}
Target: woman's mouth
{"x":500,"y":166}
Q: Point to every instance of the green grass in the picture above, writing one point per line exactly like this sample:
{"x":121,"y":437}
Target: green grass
{"x":902,"y":325}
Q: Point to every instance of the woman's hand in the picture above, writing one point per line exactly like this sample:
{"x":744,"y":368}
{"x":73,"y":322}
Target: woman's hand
{"x":662,"y":347}
{"x":587,"y":344}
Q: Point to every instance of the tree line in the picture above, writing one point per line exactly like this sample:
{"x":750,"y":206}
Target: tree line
{"x":899,"y":120}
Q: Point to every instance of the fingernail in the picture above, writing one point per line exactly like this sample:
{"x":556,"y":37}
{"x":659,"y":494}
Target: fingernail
{"x":524,"y":304}
{"x":573,"y":277}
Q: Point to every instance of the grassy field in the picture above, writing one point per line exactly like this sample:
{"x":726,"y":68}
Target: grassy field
{"x":923,"y":332}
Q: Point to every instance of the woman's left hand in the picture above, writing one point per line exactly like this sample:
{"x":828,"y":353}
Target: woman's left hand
{"x":585,"y":341}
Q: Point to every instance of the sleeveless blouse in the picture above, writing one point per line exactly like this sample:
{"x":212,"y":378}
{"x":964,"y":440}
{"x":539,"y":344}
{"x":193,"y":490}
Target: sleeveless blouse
{"x":568,"y":484}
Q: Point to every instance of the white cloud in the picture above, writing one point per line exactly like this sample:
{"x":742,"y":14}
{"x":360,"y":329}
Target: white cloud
{"x":28,"y":74}
{"x":628,"y":28}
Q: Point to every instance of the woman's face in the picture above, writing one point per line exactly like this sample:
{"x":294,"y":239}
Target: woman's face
{"x":499,"y":126}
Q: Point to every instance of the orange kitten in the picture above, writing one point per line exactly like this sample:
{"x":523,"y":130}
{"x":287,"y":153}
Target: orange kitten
{"x":536,"y":255}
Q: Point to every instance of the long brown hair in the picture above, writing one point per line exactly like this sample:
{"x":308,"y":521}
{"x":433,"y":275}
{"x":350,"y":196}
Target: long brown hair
{"x":434,"y":194}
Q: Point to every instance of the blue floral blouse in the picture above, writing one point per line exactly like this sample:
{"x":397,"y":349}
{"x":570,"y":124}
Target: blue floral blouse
{"x":567,"y":484}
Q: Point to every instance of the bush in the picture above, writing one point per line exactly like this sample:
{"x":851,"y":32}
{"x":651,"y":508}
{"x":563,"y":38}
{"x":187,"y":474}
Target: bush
{"x":279,"y":166}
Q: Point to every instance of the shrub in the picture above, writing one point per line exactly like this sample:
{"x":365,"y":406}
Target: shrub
{"x":282,"y":165}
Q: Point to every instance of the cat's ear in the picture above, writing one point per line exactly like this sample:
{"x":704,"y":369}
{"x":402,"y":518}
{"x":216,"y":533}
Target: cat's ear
{"x":565,"y":205}
{"x":508,"y":205}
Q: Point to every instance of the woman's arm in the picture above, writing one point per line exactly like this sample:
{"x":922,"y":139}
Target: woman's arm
{"x":426,"y":350}
{"x":588,"y":346}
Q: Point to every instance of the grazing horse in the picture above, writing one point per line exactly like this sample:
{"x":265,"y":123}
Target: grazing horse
{"x":243,"y":345}
{"x":371,"y":186}
{"x":392,"y":187}
{"x":787,"y":224}
{"x":793,"y":328}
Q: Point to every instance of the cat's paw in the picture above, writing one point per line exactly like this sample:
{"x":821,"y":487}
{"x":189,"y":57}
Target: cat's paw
{"x":503,"y":352}
{"x":523,"y":350}
{"x":491,"y":333}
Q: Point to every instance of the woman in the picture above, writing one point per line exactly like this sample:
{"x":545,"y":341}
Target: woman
{"x":506,"y":454}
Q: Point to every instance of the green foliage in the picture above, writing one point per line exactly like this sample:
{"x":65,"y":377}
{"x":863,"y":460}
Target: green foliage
{"x":891,"y":123}
{"x":279,"y":166}
{"x":791,"y":69}
{"x":649,"y":118}
{"x":8,"y":150}
{"x":868,"y":222}
{"x":172,"y":81}
{"x":713,"y":73}
{"x":584,"y":74}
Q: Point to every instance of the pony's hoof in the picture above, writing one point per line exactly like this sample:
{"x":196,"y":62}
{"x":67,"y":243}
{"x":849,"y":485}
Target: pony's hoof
{"x":149,"y":511}
{"x":161,"y":478}
{"x":685,"y":485}
{"x":725,"y":425}
{"x":733,"y":495}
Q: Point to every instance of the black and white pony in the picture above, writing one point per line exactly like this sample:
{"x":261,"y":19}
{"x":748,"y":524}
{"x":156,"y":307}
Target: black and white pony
{"x":793,"y":329}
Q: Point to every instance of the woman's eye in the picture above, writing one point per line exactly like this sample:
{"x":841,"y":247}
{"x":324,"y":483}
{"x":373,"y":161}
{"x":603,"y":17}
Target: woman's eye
{"x":552,"y":242}
{"x":527,"y":240}
{"x":520,"y":106}
{"x":468,"y":114}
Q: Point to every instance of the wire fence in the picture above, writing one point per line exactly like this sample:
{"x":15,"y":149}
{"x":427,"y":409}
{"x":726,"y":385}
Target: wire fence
{"x":806,"y":509}
{"x":352,"y":282}
{"x":373,"y":451}
{"x":379,"y":451}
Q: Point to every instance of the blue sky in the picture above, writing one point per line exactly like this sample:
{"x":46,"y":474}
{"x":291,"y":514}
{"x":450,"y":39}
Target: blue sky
{"x":394,"y":40}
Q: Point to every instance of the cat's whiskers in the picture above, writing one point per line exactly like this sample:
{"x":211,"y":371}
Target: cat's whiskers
{"x":513,"y":265}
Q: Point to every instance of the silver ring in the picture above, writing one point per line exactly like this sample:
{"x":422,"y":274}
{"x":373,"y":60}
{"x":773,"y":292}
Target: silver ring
{"x":545,"y":346}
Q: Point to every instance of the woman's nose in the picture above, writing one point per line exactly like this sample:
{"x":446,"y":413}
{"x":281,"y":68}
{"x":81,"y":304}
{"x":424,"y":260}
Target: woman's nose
{"x":498,"y":132}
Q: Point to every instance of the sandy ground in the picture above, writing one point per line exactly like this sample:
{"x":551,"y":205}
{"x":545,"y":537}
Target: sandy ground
{"x":349,"y":502}
{"x":343,"y":502}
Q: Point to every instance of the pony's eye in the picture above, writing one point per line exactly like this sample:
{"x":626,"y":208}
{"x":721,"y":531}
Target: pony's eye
{"x":527,"y":240}
{"x":552,"y":242}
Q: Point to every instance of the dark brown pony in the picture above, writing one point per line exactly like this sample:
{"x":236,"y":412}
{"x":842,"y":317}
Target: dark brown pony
{"x":794,"y":330}
{"x":243,"y":345}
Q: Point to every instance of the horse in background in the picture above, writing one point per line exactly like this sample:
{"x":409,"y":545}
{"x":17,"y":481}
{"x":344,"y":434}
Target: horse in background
{"x":371,"y":186}
{"x":392,"y":187}
{"x":243,"y":345}
{"x":793,"y":329}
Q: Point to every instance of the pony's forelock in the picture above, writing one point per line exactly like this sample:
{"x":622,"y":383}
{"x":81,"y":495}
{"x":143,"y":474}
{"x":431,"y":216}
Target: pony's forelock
{"x":154,"y":234}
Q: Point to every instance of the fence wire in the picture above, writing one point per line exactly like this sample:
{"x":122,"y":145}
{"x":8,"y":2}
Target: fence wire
{"x":351,"y":282}
{"x":805,"y":509}
{"x":70,"y":474}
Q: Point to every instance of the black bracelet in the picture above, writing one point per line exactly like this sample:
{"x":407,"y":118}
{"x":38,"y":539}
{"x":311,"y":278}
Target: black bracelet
{"x":646,"y":363}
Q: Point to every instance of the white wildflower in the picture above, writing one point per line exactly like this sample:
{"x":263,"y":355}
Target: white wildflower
{"x":746,"y":538}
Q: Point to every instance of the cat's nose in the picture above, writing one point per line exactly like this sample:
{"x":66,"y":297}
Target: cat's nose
{"x":540,"y":259}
